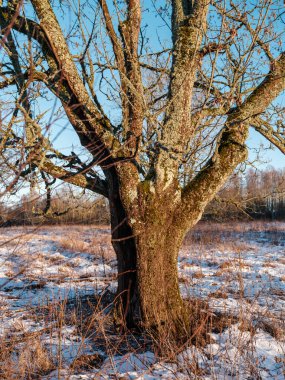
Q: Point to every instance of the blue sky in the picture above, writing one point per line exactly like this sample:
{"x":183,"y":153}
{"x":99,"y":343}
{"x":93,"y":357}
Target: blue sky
{"x":66,"y":139}
{"x":268,"y":157}
{"x":157,"y":31}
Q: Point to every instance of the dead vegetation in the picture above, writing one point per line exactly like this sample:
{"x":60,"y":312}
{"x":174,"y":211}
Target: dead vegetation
{"x":75,"y":335}
{"x":97,"y":245}
{"x":25,"y":359}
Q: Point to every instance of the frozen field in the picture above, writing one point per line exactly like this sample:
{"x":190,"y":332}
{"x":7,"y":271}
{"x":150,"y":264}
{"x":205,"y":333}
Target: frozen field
{"x":57,"y":285}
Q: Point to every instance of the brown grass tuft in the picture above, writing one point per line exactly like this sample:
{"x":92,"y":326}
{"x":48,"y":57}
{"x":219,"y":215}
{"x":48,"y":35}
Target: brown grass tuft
{"x":28,"y":360}
{"x":87,"y":362}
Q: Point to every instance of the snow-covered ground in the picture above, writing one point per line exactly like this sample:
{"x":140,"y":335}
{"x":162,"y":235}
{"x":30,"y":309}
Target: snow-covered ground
{"x":50,"y":278}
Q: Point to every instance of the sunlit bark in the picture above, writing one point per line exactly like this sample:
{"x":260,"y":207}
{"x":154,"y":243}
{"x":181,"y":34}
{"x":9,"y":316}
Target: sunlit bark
{"x":151,"y":208}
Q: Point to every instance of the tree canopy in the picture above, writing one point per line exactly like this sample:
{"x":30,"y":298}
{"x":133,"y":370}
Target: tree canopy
{"x":148,"y":95}
{"x":161,"y":95}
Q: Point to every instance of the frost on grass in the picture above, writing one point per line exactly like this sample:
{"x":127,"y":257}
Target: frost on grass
{"x":53,"y":279}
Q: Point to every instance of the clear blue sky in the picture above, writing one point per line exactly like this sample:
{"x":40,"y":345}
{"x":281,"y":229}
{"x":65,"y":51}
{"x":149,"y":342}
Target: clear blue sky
{"x":268,"y":157}
{"x":67,"y":140}
{"x":159,"y":32}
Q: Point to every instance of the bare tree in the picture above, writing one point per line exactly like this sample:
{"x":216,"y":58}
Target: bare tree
{"x":182,"y":109}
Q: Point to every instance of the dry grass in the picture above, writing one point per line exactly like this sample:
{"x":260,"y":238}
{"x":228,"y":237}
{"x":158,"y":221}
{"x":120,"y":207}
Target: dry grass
{"x":99,"y":246}
{"x":87,"y":362}
{"x":25,"y":356}
{"x":223,"y":235}
{"x":29,"y":359}
{"x":25,"y":360}
{"x":29,"y":356}
{"x":198,"y":274}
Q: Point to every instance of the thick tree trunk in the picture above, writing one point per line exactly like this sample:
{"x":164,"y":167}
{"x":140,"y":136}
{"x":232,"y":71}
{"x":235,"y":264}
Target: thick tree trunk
{"x":148,"y":290}
{"x":162,"y":307}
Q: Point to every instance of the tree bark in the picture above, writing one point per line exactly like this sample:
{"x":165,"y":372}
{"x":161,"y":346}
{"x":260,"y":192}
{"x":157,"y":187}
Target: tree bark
{"x":148,"y":294}
{"x":127,"y":303}
{"x":127,"y":310}
{"x":162,"y":308}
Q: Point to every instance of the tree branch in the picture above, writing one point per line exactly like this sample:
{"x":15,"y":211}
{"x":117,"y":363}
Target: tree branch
{"x":94,"y":183}
{"x":267,"y":131}
{"x":93,"y":128}
{"x":188,"y":25}
{"x":116,"y":43}
{"x":231,"y":149}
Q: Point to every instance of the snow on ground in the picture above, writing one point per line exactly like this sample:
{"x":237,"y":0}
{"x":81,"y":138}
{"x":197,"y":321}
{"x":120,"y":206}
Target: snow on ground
{"x":239,"y":271}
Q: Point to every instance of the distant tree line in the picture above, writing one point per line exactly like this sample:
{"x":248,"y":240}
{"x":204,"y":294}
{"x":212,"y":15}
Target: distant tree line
{"x":63,"y":208}
{"x":253,"y":195}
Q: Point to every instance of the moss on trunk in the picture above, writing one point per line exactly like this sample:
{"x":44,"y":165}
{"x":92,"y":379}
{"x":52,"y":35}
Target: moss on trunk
{"x":148,"y":288}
